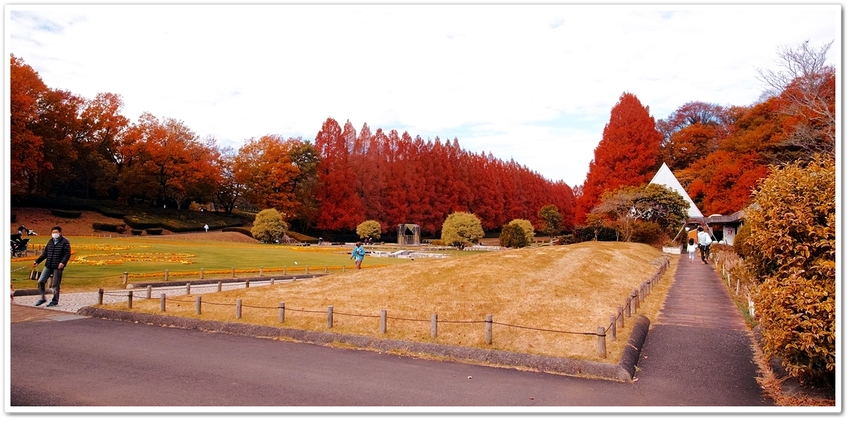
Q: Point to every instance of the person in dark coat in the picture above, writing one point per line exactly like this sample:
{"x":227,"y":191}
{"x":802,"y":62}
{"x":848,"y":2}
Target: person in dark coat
{"x":57,"y":252}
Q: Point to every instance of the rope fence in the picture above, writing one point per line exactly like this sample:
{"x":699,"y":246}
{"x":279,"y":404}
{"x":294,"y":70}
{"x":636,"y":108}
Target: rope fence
{"x":604,"y":333}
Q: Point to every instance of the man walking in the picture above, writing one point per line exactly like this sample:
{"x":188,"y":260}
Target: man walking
{"x":57,"y":252}
{"x":704,"y":241}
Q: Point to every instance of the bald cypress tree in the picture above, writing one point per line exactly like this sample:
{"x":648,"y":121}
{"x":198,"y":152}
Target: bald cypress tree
{"x":627,"y":155}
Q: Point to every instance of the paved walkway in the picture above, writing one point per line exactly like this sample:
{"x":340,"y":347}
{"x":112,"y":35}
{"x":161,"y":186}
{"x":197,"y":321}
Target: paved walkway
{"x":700,"y":345}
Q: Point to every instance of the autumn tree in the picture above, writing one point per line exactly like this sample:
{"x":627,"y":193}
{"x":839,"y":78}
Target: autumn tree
{"x":340,"y":208}
{"x":231,"y":189}
{"x":264,"y":166}
{"x":627,"y":155}
{"x":551,"y":220}
{"x":164,"y":167}
{"x":628,"y":207}
{"x":26,"y":147}
{"x":805,"y":84}
{"x":792,"y":245}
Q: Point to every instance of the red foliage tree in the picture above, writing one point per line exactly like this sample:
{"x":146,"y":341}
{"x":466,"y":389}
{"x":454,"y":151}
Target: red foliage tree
{"x":340,"y":208}
{"x":627,"y":155}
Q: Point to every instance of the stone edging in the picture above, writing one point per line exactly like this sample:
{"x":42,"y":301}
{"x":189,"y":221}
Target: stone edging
{"x":622,"y":372}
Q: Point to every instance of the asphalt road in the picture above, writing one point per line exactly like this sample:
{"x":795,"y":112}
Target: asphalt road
{"x":93,"y":362}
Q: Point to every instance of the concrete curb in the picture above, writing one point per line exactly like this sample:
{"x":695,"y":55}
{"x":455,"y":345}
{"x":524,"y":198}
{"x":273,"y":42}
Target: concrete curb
{"x":622,"y":372}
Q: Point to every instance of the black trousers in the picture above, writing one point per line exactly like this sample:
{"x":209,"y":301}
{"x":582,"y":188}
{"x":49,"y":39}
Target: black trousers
{"x":704,"y":252}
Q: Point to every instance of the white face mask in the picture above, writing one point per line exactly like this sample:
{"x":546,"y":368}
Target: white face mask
{"x":55,"y":235}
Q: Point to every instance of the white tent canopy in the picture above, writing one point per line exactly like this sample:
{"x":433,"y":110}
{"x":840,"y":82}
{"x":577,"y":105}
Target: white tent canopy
{"x":665,"y":177}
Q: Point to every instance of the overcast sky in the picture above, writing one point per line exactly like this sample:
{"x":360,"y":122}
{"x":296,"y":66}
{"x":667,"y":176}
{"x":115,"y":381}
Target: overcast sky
{"x":533,"y":83}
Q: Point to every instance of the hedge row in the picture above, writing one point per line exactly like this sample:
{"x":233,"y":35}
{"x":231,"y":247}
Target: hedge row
{"x":66,"y":213}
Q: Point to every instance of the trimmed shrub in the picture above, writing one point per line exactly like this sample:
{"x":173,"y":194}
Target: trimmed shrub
{"x":102,"y":226}
{"x":792,"y":256}
{"x":647,"y":233}
{"x":527,"y":228}
{"x":462,"y":229}
{"x":513,"y":235}
{"x":268,"y":226}
{"x":154,"y":231}
{"x":369,"y":229}
{"x":136,"y":232}
{"x":66,"y":213}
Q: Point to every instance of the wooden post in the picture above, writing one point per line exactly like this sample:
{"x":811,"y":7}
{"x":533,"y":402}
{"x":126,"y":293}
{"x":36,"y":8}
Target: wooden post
{"x":238,"y":308}
{"x":621,"y":322}
{"x":247,"y":284}
{"x":737,"y":285}
{"x":261,"y":271}
{"x":488,"y":329}
{"x":126,"y":275}
{"x":188,"y":288}
{"x":633,"y":302}
{"x":628,"y":307}
{"x":434,"y":325}
{"x":166,"y":274}
{"x":612,"y":321}
{"x":150,"y":289}
{"x":284,"y":270}
{"x":600,"y":342}
{"x":306,"y":269}
{"x":100,"y":296}
{"x":198,"y":305}
{"x":383,"y":323}
{"x":326,"y":269}
{"x":233,"y":272}
{"x":330,"y":317}
{"x":272,"y":282}
{"x":637,"y":300}
{"x":281,"y":308}
{"x":162,"y":301}
{"x":130,"y":299}
{"x":219,"y":286}
{"x":202,"y":273}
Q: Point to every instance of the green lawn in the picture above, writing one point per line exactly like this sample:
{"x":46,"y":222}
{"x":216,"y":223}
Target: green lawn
{"x":184,"y":259}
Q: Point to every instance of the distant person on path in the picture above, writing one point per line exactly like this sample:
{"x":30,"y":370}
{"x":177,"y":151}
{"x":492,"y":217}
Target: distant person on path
{"x":57,"y":252}
{"x":206,"y":228}
{"x":357,"y":254}
{"x":704,"y":241}
{"x":692,"y":248}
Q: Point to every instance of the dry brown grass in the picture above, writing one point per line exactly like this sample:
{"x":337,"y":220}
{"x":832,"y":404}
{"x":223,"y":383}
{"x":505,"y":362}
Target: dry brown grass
{"x":571,"y":288}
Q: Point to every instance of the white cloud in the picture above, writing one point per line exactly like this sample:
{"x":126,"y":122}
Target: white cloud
{"x":238,"y":72}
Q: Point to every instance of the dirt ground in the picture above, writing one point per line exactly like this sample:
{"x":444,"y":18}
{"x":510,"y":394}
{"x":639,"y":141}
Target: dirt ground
{"x":41,"y":221}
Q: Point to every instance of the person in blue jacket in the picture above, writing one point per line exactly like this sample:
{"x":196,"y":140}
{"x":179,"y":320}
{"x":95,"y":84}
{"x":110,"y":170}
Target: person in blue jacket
{"x":358,"y":254}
